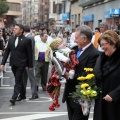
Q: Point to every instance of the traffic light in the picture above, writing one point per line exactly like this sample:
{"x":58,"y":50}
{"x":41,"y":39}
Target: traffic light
{"x":68,"y":21}
{"x":5,"y":20}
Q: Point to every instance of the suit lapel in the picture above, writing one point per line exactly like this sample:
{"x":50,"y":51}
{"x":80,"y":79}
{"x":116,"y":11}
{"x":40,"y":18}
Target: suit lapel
{"x":85,"y":54}
{"x":14,"y":42}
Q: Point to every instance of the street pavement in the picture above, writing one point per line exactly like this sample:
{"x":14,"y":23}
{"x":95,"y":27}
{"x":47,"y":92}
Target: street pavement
{"x":26,"y":109}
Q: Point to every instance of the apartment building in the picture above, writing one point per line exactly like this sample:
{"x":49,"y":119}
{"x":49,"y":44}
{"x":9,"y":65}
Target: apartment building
{"x":96,"y":11}
{"x":35,"y":13}
{"x":59,"y":14}
{"x":14,"y":12}
{"x":76,"y":14}
{"x":43,"y":14}
{"x":30,"y":12}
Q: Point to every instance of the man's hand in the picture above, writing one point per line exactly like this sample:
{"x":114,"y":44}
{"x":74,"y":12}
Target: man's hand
{"x":2,"y":67}
{"x":108,"y":98}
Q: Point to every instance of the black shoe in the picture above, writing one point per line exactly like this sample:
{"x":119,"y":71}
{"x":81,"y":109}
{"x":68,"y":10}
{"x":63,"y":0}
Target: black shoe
{"x":12,"y":101}
{"x":33,"y":97}
{"x":20,"y":98}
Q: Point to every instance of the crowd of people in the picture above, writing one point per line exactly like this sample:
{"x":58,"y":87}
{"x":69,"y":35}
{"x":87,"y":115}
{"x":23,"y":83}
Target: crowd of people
{"x":31,"y":52}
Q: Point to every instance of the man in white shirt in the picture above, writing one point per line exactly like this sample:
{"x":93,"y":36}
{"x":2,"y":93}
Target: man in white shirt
{"x":42,"y":58}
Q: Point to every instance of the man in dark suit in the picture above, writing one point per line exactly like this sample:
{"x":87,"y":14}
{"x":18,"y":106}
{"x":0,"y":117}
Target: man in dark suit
{"x":20,"y":49}
{"x":29,"y":73}
{"x":87,"y":58}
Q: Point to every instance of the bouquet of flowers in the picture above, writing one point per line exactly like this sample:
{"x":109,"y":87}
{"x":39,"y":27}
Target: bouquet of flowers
{"x":86,"y":90}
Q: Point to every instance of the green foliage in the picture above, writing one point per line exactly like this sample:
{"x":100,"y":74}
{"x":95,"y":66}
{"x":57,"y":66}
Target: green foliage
{"x":3,"y":7}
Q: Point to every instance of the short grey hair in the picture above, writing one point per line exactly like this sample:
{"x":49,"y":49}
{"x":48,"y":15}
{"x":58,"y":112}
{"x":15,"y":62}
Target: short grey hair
{"x":85,"y":30}
{"x":104,"y":24}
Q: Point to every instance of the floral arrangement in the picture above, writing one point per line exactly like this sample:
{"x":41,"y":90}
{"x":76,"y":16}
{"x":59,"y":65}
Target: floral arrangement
{"x":86,"y":90}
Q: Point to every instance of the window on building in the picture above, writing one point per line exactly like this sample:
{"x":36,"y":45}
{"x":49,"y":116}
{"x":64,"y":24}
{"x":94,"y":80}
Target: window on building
{"x":14,"y":6}
{"x":99,"y":21}
{"x":75,"y":20}
{"x":59,"y":8}
{"x":54,"y":7}
{"x":78,"y":19}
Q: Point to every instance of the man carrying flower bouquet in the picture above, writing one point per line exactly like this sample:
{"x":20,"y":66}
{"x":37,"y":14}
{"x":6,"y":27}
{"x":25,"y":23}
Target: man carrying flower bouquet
{"x":86,"y":54}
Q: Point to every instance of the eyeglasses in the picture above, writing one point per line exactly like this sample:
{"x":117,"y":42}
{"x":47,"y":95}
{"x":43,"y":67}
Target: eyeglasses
{"x":103,"y":45}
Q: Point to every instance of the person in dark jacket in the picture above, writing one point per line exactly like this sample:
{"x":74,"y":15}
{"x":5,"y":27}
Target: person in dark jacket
{"x":20,"y":49}
{"x":87,"y":58}
{"x":107,"y":72}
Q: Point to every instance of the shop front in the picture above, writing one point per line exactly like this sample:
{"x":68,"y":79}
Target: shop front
{"x":115,"y":15}
{"x":88,"y":20}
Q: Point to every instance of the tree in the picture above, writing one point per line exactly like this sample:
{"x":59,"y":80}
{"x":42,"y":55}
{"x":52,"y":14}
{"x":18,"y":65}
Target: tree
{"x":3,"y":7}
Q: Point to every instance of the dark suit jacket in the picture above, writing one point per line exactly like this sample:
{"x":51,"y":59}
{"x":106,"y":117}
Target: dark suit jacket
{"x":87,"y":59}
{"x":21,"y":56}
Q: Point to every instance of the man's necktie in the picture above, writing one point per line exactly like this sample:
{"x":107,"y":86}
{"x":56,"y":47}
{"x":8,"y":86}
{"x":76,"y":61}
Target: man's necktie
{"x":16,"y":42}
{"x":78,"y":53}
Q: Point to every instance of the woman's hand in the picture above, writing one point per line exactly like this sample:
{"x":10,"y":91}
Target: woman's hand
{"x":108,"y":98}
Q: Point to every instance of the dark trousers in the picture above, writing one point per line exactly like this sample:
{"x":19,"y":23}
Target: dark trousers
{"x":41,"y":72}
{"x":74,"y":110}
{"x":28,"y":74}
{"x":18,"y":72}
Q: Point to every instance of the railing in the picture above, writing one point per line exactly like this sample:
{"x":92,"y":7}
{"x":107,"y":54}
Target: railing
{"x":1,"y":74}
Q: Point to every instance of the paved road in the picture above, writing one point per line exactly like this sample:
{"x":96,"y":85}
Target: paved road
{"x":29,"y":110}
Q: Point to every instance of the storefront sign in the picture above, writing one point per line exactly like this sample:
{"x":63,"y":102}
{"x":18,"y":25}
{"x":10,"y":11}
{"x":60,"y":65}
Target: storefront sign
{"x":107,"y":14}
{"x":88,"y":18}
{"x":115,"y":12}
{"x":65,"y":16}
{"x":60,"y":24}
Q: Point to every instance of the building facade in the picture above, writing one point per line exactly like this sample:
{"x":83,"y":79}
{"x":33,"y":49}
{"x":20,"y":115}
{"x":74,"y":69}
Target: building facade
{"x":60,"y":14}
{"x":13,"y":13}
{"x":35,"y":13}
{"x":76,"y":14}
{"x":30,"y":12}
{"x":96,"y":11}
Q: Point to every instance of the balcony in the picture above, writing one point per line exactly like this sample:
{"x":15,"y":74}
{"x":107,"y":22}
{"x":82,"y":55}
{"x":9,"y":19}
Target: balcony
{"x":14,"y":13}
{"x":84,"y":3}
{"x":15,"y":1}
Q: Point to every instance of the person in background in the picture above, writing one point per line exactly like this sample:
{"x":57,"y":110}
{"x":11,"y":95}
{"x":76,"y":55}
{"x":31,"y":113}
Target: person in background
{"x":60,"y":34}
{"x":95,"y":37}
{"x":107,"y":72}
{"x":20,"y":49}
{"x":29,"y":73}
{"x":53,"y":35}
{"x":103,"y":28}
{"x":2,"y":38}
{"x":42,"y":57}
{"x":97,"y":30}
{"x":36,"y":28}
{"x":72,"y":37}
{"x":1,"y":44}
{"x":87,"y":56}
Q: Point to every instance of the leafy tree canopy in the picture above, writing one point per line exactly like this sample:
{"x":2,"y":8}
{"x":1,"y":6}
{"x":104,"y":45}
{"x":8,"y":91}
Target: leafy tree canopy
{"x":3,"y":7}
